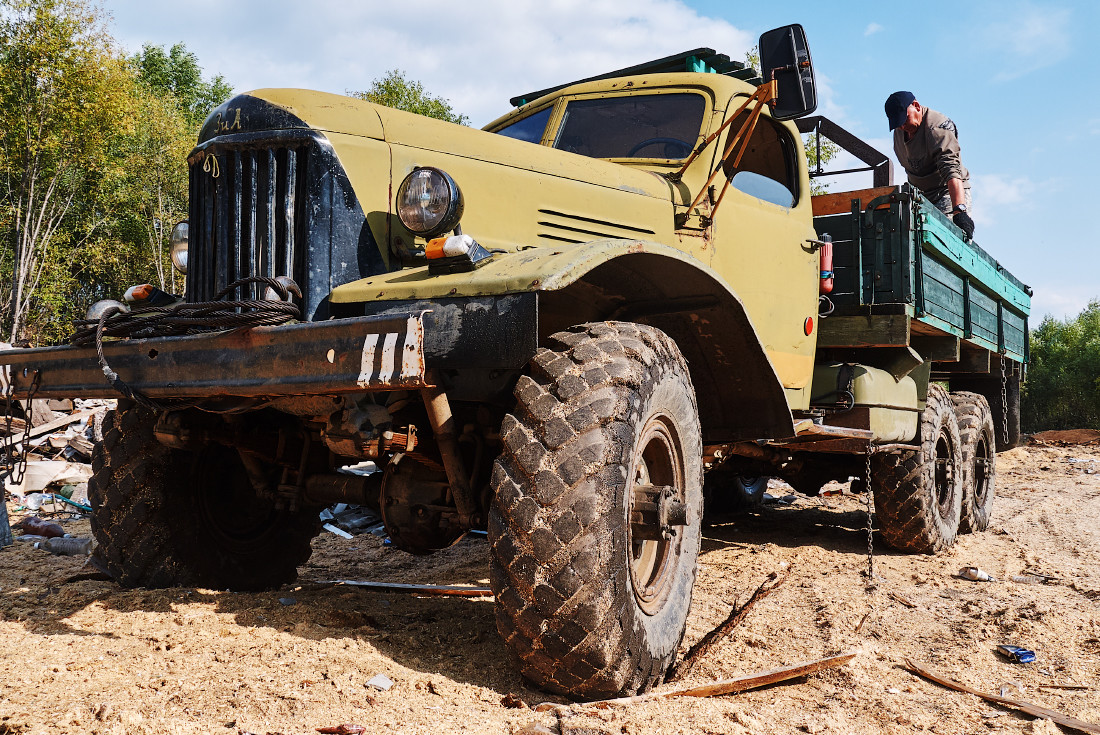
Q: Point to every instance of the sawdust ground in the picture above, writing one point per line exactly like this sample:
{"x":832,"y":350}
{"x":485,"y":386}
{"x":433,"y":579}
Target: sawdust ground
{"x":89,"y":657}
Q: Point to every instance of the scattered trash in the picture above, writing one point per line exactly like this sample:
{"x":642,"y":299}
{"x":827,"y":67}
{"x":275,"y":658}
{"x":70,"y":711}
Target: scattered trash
{"x":975,"y":575}
{"x":770,"y":499}
{"x":288,"y":601}
{"x":381,"y":682}
{"x":1017,"y":654}
{"x":444,"y":590}
{"x":1079,"y":687}
{"x":511,"y":701}
{"x":345,"y":729}
{"x":1027,"y":707}
{"x":354,"y":519}
{"x":35,"y":501}
{"x":67,"y":546}
{"x":32,"y":538}
{"x":39,"y":527}
{"x":894,"y":690}
{"x":338,"y":531}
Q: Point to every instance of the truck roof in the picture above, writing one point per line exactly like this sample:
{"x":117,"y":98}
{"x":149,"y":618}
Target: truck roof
{"x":704,"y":60}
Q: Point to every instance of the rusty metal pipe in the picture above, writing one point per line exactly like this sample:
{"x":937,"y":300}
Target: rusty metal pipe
{"x":446,"y":439}
{"x":334,"y":487}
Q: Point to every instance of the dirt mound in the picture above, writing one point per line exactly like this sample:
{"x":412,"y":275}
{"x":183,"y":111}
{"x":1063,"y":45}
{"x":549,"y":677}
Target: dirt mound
{"x":1068,"y":436}
{"x":80,"y":655}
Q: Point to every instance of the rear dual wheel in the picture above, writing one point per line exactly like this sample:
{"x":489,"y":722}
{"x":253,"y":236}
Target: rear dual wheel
{"x":978,"y":438}
{"x":919,"y":494}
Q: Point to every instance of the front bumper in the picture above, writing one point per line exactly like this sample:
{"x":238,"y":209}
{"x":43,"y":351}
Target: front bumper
{"x":318,"y":358}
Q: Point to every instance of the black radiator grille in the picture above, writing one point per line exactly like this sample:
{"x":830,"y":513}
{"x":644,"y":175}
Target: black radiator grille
{"x":245,"y":218}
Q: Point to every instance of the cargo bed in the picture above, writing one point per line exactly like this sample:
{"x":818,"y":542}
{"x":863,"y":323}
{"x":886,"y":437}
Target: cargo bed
{"x":904,"y":276}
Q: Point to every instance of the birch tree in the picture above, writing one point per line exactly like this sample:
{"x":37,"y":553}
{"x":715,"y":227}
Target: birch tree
{"x":63,"y":101}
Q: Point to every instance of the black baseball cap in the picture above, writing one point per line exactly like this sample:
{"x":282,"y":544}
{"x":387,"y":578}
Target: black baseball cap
{"x":896,"y":105}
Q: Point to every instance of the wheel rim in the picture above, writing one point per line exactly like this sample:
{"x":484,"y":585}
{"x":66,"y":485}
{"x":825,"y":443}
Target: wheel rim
{"x":659,"y":462}
{"x":983,"y":465}
{"x":945,"y":472}
{"x":234,"y":517}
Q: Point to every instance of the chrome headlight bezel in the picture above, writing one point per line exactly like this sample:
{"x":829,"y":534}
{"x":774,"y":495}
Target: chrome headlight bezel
{"x":177,"y":247}
{"x":429,"y":202}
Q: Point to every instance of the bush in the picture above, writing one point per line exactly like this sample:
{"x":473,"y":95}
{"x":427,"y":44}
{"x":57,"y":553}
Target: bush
{"x":1063,"y":381}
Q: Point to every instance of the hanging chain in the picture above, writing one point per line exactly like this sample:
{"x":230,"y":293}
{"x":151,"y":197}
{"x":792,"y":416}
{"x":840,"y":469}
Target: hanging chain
{"x":16,"y":466}
{"x":1004,"y":400}
{"x":870,"y":530}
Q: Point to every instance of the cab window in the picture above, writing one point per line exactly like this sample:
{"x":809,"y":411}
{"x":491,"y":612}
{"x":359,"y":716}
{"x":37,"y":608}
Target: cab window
{"x":530,"y":128}
{"x":767,"y":170}
{"x":632,"y":126}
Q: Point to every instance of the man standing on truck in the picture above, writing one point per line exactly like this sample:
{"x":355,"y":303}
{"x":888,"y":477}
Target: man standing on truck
{"x":926,"y":144}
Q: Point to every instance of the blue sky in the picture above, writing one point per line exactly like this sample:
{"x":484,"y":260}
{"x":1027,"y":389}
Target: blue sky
{"x":1014,"y":76}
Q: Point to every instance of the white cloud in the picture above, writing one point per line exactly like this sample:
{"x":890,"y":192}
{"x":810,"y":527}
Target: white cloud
{"x":475,"y":54}
{"x":1027,"y":37}
{"x":871,"y":29}
{"x":1060,"y":300}
{"x":995,"y":193}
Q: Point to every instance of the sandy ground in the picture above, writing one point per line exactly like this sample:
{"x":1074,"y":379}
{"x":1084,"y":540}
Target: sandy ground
{"x":84,"y":656}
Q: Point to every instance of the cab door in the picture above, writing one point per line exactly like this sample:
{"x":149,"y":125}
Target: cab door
{"x":760,"y":230}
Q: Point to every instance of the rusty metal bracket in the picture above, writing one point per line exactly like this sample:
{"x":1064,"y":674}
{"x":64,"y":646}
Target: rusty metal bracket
{"x":446,"y":439}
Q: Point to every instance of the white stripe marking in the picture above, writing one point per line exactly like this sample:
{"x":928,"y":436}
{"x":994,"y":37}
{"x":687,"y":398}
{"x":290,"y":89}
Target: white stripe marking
{"x":366,"y":367}
{"x":389,"y":362}
{"x":412,"y":356}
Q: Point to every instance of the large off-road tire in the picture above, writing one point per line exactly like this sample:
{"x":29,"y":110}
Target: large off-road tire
{"x":918,"y":495}
{"x":169,"y":518}
{"x":1001,"y":397}
{"x":978,"y":439}
{"x":589,"y":607}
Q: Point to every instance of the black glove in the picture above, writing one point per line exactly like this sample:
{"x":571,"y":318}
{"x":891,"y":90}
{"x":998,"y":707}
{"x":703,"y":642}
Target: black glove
{"x":964,"y":223}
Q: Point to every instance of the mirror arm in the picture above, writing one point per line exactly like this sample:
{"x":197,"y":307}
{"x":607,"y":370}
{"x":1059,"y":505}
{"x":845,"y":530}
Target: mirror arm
{"x":764,"y":95}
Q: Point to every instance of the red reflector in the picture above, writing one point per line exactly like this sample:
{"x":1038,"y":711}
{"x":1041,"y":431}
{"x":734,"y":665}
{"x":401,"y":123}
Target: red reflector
{"x":808,"y":327}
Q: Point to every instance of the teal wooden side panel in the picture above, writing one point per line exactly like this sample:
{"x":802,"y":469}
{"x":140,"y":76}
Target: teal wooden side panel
{"x":983,"y":316}
{"x":941,"y":237}
{"x":1015,"y":327}
{"x":943,"y":293}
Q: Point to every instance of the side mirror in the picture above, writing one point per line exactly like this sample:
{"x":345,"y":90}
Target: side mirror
{"x":785,"y":57}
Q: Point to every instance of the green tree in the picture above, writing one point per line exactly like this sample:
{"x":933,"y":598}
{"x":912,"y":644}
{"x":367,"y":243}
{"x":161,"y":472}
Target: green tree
{"x":176,"y":73}
{"x":829,"y":149}
{"x":394,"y":90}
{"x":1063,"y":380}
{"x":93,"y":169}
{"x":63,"y":102}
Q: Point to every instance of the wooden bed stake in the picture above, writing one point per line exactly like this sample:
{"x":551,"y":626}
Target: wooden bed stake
{"x":723,"y":686}
{"x":1027,"y":707}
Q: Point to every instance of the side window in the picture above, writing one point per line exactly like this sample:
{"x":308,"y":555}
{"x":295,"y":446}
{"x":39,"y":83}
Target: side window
{"x":767,"y":169}
{"x":529,"y":128}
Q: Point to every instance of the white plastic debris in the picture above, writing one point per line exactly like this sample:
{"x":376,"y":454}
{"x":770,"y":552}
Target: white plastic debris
{"x":381,"y":682}
{"x":338,"y":531}
{"x":976,"y":575}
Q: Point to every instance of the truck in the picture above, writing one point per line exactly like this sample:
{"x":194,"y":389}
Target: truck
{"x":574,"y":330}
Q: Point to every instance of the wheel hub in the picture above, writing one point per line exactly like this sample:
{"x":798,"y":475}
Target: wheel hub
{"x":655,"y":514}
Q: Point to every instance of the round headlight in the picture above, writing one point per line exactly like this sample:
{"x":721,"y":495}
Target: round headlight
{"x":178,"y":247}
{"x":429,"y":202}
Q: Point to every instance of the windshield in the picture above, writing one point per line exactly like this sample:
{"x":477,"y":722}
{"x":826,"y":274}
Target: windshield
{"x":634,"y":126}
{"x":529,"y":128}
